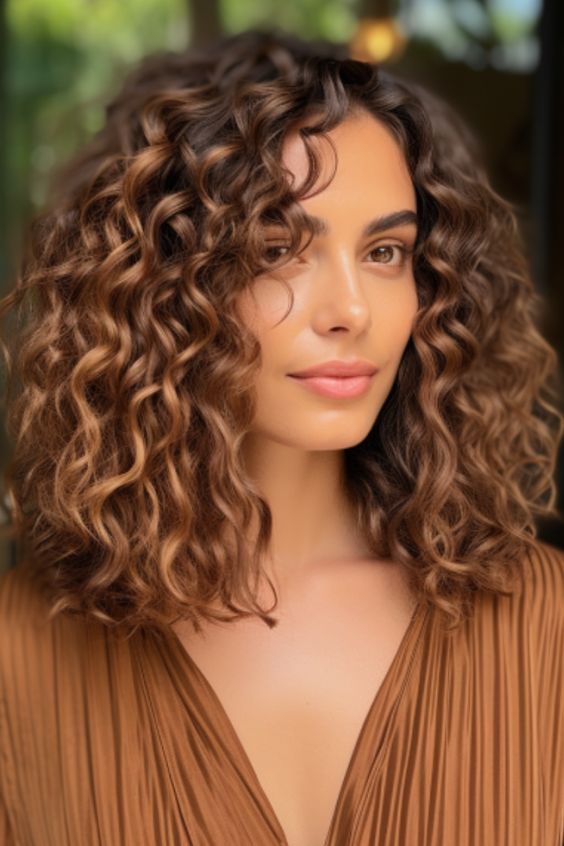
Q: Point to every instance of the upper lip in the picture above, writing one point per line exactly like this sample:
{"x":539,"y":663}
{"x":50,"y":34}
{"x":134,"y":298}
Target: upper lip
{"x":338,"y":367}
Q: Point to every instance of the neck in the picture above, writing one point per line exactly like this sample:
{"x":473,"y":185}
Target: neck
{"x":312,"y":519}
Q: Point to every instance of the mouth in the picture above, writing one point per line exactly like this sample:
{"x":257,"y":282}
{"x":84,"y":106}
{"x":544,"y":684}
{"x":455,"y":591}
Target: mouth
{"x":338,"y":387}
{"x":337,"y":368}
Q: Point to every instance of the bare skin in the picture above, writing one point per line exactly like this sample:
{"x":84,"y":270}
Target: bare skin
{"x":342,"y":612}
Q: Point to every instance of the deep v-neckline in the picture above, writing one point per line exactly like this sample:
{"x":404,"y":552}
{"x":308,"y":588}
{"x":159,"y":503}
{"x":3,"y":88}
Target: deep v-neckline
{"x":405,"y":650}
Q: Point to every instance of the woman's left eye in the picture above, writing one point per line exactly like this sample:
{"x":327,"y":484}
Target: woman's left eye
{"x":392,"y":254}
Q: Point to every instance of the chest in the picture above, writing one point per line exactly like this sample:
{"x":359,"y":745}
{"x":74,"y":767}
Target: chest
{"x":104,"y":743}
{"x":298,"y":697}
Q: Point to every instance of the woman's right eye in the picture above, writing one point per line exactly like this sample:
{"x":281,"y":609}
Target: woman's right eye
{"x":272,"y":252}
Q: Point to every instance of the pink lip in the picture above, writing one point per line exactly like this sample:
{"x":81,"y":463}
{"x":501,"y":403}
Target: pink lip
{"x":339,"y":387}
{"x":338,"y":367}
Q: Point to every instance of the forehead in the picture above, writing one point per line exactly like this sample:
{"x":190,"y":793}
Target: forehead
{"x":370,"y":162}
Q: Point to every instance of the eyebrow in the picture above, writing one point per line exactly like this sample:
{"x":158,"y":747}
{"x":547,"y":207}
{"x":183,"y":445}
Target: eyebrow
{"x":404,"y":217}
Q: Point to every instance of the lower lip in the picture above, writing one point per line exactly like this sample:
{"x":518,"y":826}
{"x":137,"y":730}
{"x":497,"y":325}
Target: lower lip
{"x":336,"y":386}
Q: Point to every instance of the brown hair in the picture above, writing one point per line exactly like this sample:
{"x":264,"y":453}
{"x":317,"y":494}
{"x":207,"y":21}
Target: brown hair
{"x":131,"y":378}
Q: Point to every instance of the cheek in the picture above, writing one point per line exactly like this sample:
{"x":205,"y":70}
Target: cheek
{"x":394,"y":312}
{"x":262,"y":313}
{"x":264,"y":305}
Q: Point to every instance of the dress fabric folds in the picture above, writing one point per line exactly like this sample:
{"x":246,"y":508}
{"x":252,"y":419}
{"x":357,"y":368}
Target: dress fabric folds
{"x":113,"y":742}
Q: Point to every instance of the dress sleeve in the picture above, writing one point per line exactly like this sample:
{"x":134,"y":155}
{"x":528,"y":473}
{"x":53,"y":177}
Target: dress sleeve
{"x":546,"y":620}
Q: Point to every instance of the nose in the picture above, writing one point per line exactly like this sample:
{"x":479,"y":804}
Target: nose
{"x":341,"y":299}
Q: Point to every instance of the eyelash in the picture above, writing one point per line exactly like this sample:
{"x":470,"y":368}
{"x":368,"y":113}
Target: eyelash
{"x":404,"y":252}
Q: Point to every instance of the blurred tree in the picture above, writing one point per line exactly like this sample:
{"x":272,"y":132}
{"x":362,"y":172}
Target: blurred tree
{"x":63,"y":59}
{"x":376,"y":8}
{"x":331,"y":19}
{"x":3,"y":124}
{"x":205,"y":21}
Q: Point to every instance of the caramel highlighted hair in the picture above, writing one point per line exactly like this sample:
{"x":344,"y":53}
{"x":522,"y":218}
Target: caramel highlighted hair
{"x":130,"y":378}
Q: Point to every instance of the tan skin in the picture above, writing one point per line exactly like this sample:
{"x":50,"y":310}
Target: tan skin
{"x":342,"y":612}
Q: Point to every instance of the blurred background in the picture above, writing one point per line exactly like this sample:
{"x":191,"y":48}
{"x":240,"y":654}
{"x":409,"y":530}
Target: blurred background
{"x":497,"y":62}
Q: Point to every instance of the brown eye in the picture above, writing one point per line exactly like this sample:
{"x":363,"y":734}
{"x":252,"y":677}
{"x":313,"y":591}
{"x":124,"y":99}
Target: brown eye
{"x":274,"y":252}
{"x":385,"y":254}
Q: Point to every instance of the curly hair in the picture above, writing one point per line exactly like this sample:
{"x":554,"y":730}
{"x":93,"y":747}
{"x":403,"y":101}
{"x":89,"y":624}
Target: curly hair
{"x":131,"y":378}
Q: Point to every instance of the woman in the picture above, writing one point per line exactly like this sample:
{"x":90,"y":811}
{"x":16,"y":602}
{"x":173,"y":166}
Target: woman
{"x":248,"y":213}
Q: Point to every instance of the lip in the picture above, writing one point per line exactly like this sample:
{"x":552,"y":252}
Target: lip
{"x":337,"y":387}
{"x":337,"y":368}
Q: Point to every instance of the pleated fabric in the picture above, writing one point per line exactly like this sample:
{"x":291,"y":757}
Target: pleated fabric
{"x":124,"y":742}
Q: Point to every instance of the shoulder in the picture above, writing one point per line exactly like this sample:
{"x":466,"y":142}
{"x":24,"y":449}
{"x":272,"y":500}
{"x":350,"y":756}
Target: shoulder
{"x":542,"y":587}
{"x":21,"y":602}
{"x":23,"y":625}
{"x":17,"y":590}
{"x":545,"y":566}
{"x":38,"y":648}
{"x":57,"y":669}
{"x":538,"y":616}
{"x":525,"y":626}
{"x":539,"y":621}
{"x":536,"y":598}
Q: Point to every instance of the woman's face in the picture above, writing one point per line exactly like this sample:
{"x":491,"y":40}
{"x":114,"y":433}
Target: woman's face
{"x":354,"y":291}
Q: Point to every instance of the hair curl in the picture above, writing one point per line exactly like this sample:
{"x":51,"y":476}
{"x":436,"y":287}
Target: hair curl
{"x":130,"y":382}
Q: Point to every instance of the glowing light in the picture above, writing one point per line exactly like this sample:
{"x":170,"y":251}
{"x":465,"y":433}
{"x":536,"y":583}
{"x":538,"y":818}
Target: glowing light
{"x":377,"y":40}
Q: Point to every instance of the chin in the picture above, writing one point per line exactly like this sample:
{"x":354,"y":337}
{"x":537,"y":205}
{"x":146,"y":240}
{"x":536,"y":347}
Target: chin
{"x":326,"y":442}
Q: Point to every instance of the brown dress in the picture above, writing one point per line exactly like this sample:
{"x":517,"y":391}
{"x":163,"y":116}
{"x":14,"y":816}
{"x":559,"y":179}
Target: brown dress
{"x":126,"y":743}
